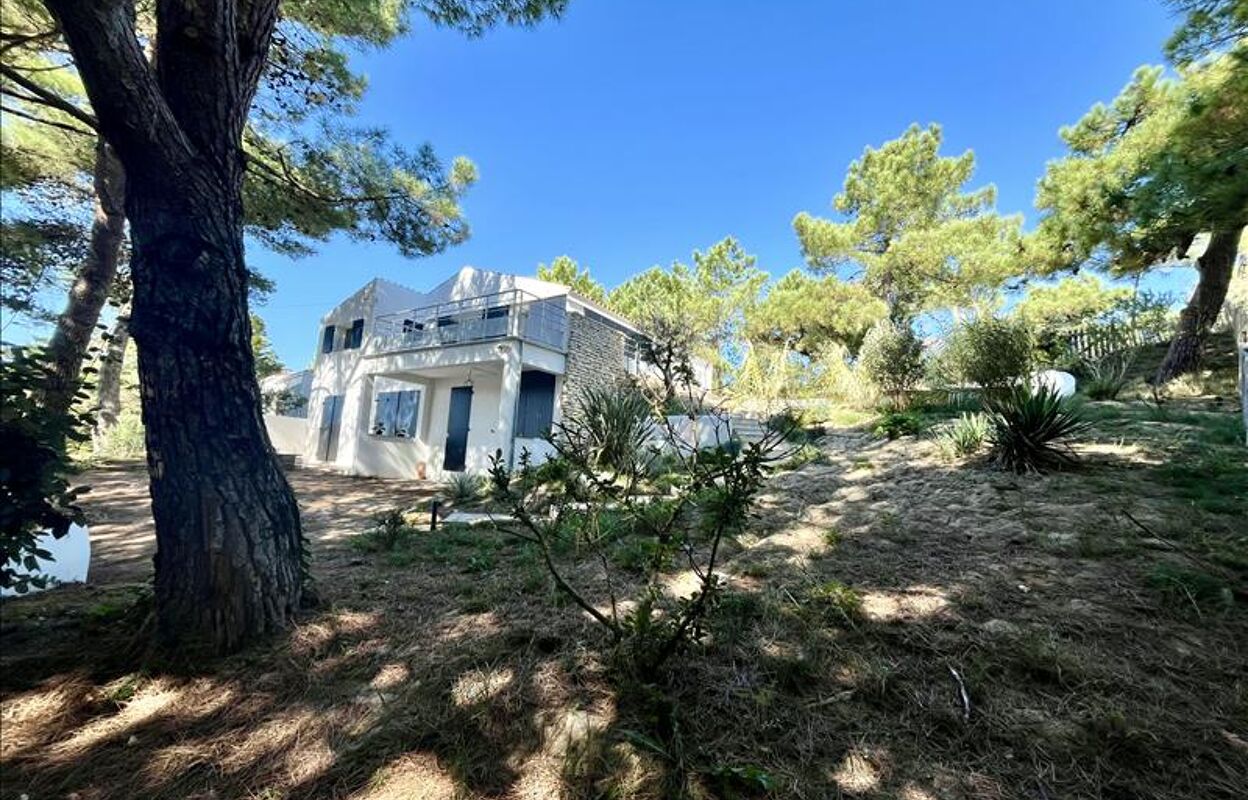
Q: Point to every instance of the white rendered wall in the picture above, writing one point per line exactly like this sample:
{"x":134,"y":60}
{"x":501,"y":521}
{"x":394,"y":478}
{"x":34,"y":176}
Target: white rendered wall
{"x":288,"y":434}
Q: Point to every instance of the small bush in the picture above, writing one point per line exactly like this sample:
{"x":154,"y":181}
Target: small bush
{"x":461,"y":488}
{"x":1106,"y":377}
{"x":35,"y":469}
{"x":390,"y":531}
{"x":895,"y":424}
{"x":965,"y":435}
{"x":892,"y":357}
{"x":994,"y":354}
{"x":1028,"y":428}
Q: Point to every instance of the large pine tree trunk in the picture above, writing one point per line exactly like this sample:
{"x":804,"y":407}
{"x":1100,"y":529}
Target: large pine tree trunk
{"x":1215,"y":268}
{"x":108,"y":408}
{"x":228,"y":564}
{"x":229,"y":545}
{"x":68,"y":347}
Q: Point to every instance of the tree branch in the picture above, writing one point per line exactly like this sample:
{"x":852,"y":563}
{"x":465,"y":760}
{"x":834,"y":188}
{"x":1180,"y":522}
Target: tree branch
{"x":42,"y":121}
{"x":132,"y":112}
{"x":47,"y":97}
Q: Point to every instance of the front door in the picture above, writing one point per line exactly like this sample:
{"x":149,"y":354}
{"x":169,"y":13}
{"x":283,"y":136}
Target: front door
{"x":331,"y":421}
{"x":457,"y":429}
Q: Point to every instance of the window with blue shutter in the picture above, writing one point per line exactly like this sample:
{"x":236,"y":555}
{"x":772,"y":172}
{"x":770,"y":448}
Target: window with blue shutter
{"x":535,"y":410}
{"x":396,"y":414}
{"x":327,"y":339}
{"x":355,"y":337}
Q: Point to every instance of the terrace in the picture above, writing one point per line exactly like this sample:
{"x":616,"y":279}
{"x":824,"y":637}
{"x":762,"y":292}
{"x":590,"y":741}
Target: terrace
{"x":513,"y":314}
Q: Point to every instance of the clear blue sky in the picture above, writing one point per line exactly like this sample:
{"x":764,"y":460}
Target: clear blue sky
{"x":628,"y":134}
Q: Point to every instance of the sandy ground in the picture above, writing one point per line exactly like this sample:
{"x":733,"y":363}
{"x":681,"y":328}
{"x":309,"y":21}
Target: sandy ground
{"x":333,"y":507}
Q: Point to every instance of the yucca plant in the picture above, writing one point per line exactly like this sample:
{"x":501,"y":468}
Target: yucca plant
{"x":613,"y":426}
{"x":966,"y":435}
{"x":1028,"y":429}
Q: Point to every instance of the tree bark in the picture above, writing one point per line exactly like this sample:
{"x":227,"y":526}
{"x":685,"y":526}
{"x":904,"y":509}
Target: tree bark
{"x":1215,"y":267}
{"x":108,"y":409}
{"x":229,"y":544}
{"x":68,"y":347}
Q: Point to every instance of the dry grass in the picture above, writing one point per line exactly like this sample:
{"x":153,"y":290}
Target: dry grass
{"x":451,"y":669}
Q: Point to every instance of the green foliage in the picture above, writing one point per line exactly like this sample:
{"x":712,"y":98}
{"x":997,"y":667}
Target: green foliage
{"x":1150,"y":170}
{"x":35,"y":492}
{"x":808,"y":314}
{"x":566,"y":271}
{"x":1030,"y":429}
{"x":1209,"y":26}
{"x":267,"y":362}
{"x":844,"y":600}
{"x":611,"y":515}
{"x":732,"y":782}
{"x":966,"y":435}
{"x":609,"y":429}
{"x":895,"y":424}
{"x":1071,"y":302}
{"x":390,"y":532}
{"x":989,"y":352}
{"x":919,"y":238}
{"x":36,"y":255}
{"x":1193,"y":588}
{"x":892,"y":358}
{"x":708,"y":301}
{"x":462,"y":488}
{"x":1107,"y":376}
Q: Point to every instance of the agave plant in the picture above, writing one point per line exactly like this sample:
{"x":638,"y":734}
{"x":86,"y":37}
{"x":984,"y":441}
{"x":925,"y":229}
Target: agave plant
{"x":1028,"y":429}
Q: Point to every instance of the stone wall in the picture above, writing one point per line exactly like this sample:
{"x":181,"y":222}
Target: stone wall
{"x":595,"y":357}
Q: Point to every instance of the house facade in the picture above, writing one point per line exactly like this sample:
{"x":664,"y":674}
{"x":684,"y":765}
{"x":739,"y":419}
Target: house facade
{"x":407,"y":384}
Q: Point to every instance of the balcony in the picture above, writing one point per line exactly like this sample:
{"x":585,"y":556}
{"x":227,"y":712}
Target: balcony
{"x":505,"y":315}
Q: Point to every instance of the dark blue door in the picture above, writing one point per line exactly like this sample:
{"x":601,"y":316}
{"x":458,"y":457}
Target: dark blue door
{"x":457,"y":429}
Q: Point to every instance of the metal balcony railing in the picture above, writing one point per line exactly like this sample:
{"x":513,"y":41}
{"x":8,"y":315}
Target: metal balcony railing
{"x":511,"y":314}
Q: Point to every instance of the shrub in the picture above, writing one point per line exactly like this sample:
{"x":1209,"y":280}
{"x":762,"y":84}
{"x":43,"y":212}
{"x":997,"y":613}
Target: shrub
{"x":35,"y":495}
{"x":609,"y":515}
{"x":892,"y":357}
{"x":994,"y":354}
{"x":390,"y":530}
{"x":965,"y":435}
{"x":610,"y":428}
{"x":461,"y":488}
{"x":895,"y":424}
{"x":1028,"y":428}
{"x":1106,"y":377}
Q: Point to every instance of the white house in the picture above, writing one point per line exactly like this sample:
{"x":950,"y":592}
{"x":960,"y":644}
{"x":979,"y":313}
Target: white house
{"x":419,"y":385}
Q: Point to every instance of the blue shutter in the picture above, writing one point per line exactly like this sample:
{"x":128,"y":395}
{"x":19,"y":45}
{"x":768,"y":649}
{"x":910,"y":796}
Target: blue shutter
{"x":535,"y":410}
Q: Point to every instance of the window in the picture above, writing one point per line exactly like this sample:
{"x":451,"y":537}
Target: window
{"x":327,"y":340}
{"x":535,"y":410}
{"x":355,"y":337}
{"x":395,"y":414}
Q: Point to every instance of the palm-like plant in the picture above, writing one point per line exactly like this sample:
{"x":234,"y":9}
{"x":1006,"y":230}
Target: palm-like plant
{"x":1029,"y":427}
{"x":613,"y":426}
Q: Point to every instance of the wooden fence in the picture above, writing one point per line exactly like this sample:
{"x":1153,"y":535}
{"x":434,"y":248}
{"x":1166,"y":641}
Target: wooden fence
{"x":1098,"y":341}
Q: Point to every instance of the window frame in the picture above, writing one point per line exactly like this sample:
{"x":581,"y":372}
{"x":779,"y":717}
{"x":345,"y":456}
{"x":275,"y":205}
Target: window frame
{"x":389,"y":404}
{"x":354,"y":338}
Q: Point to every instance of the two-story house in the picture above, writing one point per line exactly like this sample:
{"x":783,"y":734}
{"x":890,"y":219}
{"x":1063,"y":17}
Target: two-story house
{"x":418,"y":385}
